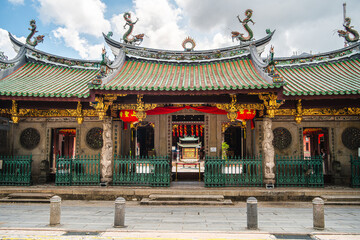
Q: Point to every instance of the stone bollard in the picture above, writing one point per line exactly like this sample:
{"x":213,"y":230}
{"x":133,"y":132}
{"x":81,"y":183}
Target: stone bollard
{"x":119,"y":219}
{"x":318,"y":214}
{"x":55,"y":210}
{"x":252,"y":214}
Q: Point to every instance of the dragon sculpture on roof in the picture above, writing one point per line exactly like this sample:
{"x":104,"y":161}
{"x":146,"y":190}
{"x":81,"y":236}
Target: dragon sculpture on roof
{"x":348,"y":30}
{"x":137,"y":39}
{"x":239,"y":36}
{"x":37,"y":39}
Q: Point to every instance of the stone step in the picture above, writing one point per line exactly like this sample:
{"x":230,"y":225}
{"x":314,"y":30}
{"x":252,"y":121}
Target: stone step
{"x":342,"y":203}
{"x":341,"y":198}
{"x":176,"y":197}
{"x":25,"y":200}
{"x":30,"y":195}
{"x":147,"y":201}
{"x":28,"y":198}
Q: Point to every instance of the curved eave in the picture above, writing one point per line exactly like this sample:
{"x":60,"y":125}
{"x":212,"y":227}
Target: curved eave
{"x":314,"y":56}
{"x":118,"y":45}
{"x":273,"y":88}
{"x":47,"y":99}
{"x":18,"y":45}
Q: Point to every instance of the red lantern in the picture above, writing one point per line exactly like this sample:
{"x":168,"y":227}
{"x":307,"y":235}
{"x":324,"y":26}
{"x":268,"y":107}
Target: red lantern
{"x":246,"y":114}
{"x":128,"y":116}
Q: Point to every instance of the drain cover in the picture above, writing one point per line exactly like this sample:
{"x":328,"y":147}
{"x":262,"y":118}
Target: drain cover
{"x":81,"y":234}
{"x":293,"y":236}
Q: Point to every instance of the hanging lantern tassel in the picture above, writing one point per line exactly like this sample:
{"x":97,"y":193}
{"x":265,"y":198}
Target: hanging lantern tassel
{"x":197,"y":130}
{"x":201,"y":130}
{"x":192,"y":130}
{"x":181,"y":130}
{"x":185,"y":130}
{"x":177,"y":130}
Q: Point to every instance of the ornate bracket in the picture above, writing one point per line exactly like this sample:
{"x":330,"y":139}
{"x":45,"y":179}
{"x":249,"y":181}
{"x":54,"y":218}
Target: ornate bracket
{"x":79,"y":113}
{"x":100,"y":107}
{"x":232,"y":108}
{"x":271,"y":104}
{"x":140,"y":107}
{"x":299,"y":112}
{"x":226,"y":125}
{"x":15,"y":117}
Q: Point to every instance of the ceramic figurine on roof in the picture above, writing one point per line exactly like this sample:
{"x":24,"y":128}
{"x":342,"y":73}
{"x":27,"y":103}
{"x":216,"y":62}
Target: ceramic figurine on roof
{"x":271,"y":68}
{"x":37,"y":39}
{"x":137,"y":39}
{"x":2,"y":56}
{"x":239,"y":36}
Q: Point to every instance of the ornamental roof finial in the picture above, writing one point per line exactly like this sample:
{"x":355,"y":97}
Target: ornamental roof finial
{"x":37,"y":39}
{"x":239,"y":36}
{"x":348,"y":29}
{"x":137,"y":39}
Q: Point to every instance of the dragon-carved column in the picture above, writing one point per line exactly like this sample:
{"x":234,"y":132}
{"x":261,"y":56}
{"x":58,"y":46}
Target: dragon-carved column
{"x":107,"y":151}
{"x":271,"y":104}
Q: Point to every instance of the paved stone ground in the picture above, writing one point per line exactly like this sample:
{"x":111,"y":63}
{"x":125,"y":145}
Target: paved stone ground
{"x":176,"y":222}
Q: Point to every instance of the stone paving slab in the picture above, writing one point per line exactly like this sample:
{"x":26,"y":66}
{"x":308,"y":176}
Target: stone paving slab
{"x":84,"y":215}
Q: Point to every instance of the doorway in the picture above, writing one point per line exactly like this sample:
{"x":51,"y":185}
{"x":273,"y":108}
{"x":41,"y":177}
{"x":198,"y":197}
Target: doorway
{"x":187,"y":147}
{"x":145,"y":141}
{"x":63,"y":142}
{"x":235,"y":137}
{"x":316,"y":143}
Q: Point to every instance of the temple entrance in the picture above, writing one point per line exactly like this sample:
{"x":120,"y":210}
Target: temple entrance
{"x":145,"y":141}
{"x":316,"y":143}
{"x":188,"y":147}
{"x":63,"y":142}
{"x":235,"y":137}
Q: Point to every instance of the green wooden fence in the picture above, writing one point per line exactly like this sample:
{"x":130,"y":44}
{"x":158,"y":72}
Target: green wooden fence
{"x":15,"y":170}
{"x":299,"y":171}
{"x":78,"y":170}
{"x":233,"y":172}
{"x":355,"y":171}
{"x":142,"y":171}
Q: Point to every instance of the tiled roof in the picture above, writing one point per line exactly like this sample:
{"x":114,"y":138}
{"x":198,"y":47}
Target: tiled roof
{"x":163,"y":76}
{"x":40,"y":80}
{"x":328,"y":78}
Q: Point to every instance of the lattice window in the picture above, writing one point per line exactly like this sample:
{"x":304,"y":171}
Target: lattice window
{"x":351,"y":138}
{"x":282,"y":138}
{"x":30,"y":138}
{"x":94,"y":138}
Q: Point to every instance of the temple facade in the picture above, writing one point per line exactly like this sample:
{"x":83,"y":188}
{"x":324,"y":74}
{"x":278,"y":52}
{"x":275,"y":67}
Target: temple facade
{"x":234,"y":103}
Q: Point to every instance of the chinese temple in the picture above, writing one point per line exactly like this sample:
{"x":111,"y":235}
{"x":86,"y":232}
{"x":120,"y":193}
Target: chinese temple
{"x":147,"y":102}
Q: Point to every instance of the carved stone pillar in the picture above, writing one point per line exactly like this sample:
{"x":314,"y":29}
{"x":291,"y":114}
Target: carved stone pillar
{"x":269,"y":152}
{"x":107,"y":152}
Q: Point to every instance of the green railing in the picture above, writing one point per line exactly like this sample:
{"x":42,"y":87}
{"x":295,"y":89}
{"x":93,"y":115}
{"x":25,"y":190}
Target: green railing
{"x":78,"y":170}
{"x":15,"y":170}
{"x":142,"y":171}
{"x":233,"y":172}
{"x":355,"y":171}
{"x":299,"y":171}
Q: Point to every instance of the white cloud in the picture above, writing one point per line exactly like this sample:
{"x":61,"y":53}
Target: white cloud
{"x":76,"y":18}
{"x":81,"y":45}
{"x":84,"y":16}
{"x":5,"y":44}
{"x":17,"y":2}
{"x":159,"y":20}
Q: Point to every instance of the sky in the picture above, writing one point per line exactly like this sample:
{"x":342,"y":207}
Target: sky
{"x":73,"y":28}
